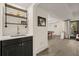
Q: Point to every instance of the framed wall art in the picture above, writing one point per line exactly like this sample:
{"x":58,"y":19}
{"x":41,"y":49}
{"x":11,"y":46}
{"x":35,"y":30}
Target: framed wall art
{"x":41,"y":21}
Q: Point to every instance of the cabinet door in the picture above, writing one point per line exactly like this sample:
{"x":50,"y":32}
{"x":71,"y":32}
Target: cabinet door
{"x":0,"y":48}
{"x":19,"y":50}
{"x":30,"y":48}
{"x":0,"y":51}
{"x":27,"y":48}
{"x":9,"y":50}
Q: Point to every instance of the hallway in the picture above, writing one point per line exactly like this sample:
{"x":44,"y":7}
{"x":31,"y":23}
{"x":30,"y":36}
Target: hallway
{"x":58,"y":47}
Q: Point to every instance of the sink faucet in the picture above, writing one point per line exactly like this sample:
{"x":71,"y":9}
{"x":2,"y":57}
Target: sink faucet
{"x":18,"y":30}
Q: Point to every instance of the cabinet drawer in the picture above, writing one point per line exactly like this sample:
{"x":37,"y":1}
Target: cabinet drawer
{"x":27,"y":39}
{"x":28,"y":43}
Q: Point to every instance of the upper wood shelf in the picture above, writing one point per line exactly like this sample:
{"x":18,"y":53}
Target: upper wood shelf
{"x":7,"y":5}
{"x":15,"y":15}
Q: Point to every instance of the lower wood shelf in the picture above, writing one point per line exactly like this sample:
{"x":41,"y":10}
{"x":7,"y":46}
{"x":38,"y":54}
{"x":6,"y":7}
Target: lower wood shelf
{"x":16,"y":23}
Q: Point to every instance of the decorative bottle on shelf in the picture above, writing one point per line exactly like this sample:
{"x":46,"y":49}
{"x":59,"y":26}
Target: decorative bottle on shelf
{"x":18,"y":13}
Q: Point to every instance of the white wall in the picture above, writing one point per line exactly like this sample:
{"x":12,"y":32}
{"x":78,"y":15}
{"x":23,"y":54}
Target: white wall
{"x":30,"y":19}
{"x":40,"y":33}
{"x":1,"y":17}
{"x":52,"y":21}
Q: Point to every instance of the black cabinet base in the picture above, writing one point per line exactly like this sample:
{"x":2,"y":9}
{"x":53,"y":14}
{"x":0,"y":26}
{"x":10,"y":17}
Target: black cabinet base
{"x":18,"y":47}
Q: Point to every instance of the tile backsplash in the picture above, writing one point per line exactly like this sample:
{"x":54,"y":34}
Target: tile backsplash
{"x":11,"y":29}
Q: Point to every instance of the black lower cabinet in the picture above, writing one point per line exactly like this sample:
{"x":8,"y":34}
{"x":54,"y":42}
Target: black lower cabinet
{"x":18,"y":47}
{"x":0,"y":48}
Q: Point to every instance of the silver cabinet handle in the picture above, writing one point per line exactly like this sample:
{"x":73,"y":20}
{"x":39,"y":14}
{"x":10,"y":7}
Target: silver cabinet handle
{"x":22,"y":44}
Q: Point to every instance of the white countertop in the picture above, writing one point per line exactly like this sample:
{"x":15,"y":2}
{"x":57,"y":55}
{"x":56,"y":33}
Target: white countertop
{"x":10,"y":37}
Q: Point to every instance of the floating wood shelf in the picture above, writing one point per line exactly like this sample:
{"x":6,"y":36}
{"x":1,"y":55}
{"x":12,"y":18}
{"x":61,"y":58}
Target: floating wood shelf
{"x":15,"y":23}
{"x":15,"y":15}
{"x":7,"y":5}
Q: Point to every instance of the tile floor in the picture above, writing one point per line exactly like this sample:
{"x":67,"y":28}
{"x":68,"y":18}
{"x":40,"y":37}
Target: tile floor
{"x":59,"y":47}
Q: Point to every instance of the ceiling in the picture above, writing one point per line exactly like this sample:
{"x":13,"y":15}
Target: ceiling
{"x":62,"y":10}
